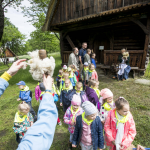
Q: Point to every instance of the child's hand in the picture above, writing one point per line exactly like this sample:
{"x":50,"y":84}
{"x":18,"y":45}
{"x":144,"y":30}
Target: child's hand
{"x":18,"y":99}
{"x":61,"y":104}
{"x":31,"y":123}
{"x":60,"y":80}
{"x":103,"y":122}
{"x":72,"y":123}
{"x":74,"y":145}
{"x":121,"y":146}
{"x":114,"y":142}
{"x":28,"y":128}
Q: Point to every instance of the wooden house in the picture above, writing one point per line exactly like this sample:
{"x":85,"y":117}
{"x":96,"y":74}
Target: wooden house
{"x":111,"y":24}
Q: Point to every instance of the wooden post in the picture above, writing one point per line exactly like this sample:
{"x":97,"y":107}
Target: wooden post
{"x":146,"y":43}
{"x":70,"y":41}
{"x":61,"y":47}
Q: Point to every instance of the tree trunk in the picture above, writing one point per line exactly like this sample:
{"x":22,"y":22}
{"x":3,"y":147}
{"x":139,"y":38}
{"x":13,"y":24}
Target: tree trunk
{"x":1,"y":20}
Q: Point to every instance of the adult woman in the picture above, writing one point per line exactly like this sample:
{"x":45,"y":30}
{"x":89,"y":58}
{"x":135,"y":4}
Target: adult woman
{"x":124,"y":65}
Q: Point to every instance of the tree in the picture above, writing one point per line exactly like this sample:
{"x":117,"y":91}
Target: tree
{"x":3,"y":7}
{"x":12,"y":38}
{"x":43,"y":40}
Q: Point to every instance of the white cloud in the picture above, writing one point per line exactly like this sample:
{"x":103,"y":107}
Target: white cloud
{"x":18,"y":19}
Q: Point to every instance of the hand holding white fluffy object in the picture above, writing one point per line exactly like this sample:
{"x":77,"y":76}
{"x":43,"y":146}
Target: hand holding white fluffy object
{"x":39,"y":67}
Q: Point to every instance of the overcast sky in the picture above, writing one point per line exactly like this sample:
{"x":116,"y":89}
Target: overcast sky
{"x":18,"y":19}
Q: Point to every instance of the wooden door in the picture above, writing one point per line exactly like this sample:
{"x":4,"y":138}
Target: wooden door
{"x":101,"y":40}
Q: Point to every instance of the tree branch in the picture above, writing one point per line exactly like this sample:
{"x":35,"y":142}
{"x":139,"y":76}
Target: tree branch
{"x":8,"y":3}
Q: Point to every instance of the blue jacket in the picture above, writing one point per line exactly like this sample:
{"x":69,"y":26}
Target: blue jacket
{"x":93,"y":62}
{"x":64,"y":98}
{"x":96,"y":133}
{"x":25,"y":96}
{"x":40,"y":135}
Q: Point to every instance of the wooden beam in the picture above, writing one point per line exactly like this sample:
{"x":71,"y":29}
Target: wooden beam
{"x":146,"y":43}
{"x":141,"y":25}
{"x":101,"y":24}
{"x":57,"y":36}
{"x":70,"y":41}
{"x":118,"y":51}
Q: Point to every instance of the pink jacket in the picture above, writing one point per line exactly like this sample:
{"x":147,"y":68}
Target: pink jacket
{"x":110,"y":130}
{"x":37,"y":92}
{"x":94,"y":75}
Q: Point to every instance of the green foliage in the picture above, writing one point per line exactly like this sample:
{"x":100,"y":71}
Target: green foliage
{"x":147,"y":72}
{"x":42,"y":40}
{"x":12,"y":38}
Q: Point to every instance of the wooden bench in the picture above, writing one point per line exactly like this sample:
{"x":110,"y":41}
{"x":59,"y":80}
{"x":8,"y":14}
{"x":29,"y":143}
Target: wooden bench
{"x":106,"y":68}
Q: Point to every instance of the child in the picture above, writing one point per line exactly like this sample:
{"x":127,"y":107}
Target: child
{"x":79,"y":91}
{"x":106,"y":104}
{"x":91,"y":92}
{"x":88,"y":130}
{"x":75,"y":71}
{"x":23,"y":120}
{"x":26,"y":95}
{"x":59,"y":78}
{"x":93,"y":59}
{"x":64,"y":69}
{"x":37,"y":92}
{"x":70,"y":116}
{"x":87,"y":56}
{"x":65,"y":77}
{"x":92,"y":73}
{"x":64,"y":99}
{"x":84,"y":75}
{"x":72,"y":77}
{"x":119,"y":126}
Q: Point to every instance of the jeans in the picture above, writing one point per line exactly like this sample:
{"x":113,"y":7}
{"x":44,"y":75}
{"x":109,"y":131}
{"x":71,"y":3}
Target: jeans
{"x":86,"y":147}
{"x":31,"y":109}
{"x":71,"y":137}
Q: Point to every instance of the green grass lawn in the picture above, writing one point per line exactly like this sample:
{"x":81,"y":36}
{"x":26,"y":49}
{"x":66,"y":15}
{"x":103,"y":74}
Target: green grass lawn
{"x":3,"y":67}
{"x":137,"y":95}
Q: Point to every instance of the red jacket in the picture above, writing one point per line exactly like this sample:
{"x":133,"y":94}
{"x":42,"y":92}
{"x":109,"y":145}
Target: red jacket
{"x":111,"y":132}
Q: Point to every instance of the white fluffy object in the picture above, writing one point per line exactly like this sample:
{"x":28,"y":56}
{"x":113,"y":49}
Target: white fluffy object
{"x":38,"y":67}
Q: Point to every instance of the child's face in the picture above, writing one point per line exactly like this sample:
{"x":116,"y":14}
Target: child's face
{"x":23,"y":113}
{"x":85,"y":66}
{"x":109,"y":99}
{"x":93,"y":56}
{"x":124,"y":111}
{"x":97,"y":85}
{"x":67,"y":83}
{"x":66,"y":77}
{"x":92,"y":67}
{"x":60,"y":73}
{"x":91,"y":117}
{"x":78,"y":88}
{"x":65,"y":70}
{"x":89,"y":52}
{"x":75,"y":107}
{"x":21,"y":87}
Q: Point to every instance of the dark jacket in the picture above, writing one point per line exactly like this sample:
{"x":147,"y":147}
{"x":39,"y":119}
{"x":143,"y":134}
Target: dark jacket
{"x":92,"y":96}
{"x":96,"y":133}
{"x":64,"y":98}
{"x":82,"y":95}
{"x":120,"y":59}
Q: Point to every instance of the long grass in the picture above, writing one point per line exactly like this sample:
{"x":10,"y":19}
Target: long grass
{"x":137,"y":95}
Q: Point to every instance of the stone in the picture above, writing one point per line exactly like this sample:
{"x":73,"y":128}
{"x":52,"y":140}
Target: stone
{"x":142,"y":81}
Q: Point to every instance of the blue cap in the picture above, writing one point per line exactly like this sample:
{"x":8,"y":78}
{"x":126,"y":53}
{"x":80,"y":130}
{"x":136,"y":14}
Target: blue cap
{"x":21,"y":83}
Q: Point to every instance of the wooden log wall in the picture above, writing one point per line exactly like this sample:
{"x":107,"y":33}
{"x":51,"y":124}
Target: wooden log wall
{"x":71,"y":9}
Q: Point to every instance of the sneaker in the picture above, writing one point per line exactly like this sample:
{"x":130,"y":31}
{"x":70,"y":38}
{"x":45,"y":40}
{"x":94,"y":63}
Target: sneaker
{"x":59,"y":123}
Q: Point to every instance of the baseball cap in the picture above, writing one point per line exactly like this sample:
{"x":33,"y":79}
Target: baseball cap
{"x":21,"y":83}
{"x":64,"y":67}
{"x":85,"y":64}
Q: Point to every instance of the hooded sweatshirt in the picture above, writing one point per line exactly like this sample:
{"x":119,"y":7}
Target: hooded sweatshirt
{"x":92,"y":96}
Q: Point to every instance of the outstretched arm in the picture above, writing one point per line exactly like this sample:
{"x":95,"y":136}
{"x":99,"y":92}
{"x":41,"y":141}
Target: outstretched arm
{"x":8,"y":75}
{"x":41,"y":133}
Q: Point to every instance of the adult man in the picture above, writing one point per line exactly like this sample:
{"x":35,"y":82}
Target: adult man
{"x":82,"y":52}
{"x":73,"y":58}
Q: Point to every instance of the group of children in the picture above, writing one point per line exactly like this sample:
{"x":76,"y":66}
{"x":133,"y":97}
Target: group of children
{"x":94,"y":119}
